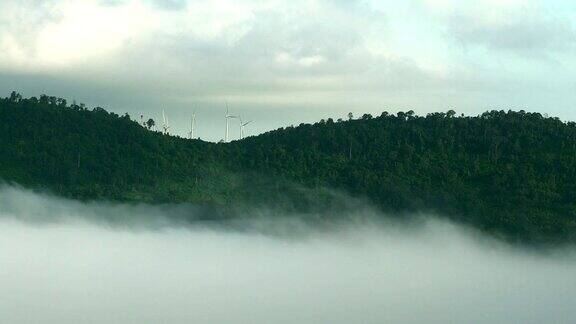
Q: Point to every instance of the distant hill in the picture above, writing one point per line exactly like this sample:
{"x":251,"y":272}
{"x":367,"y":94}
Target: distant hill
{"x":509,"y":173}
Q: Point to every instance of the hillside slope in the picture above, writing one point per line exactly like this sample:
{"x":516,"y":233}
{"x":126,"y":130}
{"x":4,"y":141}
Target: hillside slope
{"x":509,"y":173}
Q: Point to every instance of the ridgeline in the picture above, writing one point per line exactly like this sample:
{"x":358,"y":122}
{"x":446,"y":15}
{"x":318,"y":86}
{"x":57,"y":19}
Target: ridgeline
{"x":511,"y":174}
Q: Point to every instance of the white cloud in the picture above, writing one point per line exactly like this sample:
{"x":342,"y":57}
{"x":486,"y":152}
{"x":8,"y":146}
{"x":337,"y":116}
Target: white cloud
{"x":89,"y":31}
{"x":68,"y":262}
{"x":67,"y":33}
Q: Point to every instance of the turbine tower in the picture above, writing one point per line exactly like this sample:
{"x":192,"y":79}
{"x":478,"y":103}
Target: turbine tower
{"x":242,"y":125}
{"x":192,"y":125}
{"x":165,"y":124}
{"x":228,"y":116}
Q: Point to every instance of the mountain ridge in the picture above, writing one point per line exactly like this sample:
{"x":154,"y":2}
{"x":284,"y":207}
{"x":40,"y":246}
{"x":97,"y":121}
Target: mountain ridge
{"x":508,"y":173}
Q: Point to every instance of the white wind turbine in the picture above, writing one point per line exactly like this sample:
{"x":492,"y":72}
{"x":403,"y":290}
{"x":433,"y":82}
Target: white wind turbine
{"x":242,"y":125}
{"x":228,"y":116}
{"x":165,"y":124}
{"x":192,"y":125}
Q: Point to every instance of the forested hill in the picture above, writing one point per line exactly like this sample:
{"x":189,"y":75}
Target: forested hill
{"x":510,"y":173}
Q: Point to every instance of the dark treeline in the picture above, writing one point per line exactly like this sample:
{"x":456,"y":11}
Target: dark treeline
{"x":508,"y":173}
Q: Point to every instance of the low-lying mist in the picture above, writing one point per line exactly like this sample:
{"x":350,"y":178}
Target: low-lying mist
{"x":68,"y":262}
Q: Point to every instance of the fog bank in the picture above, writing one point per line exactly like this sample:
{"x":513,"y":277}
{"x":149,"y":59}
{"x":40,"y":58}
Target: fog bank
{"x":59,"y":265}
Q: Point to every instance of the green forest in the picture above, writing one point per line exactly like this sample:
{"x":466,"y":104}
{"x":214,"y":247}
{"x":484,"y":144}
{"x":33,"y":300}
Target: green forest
{"x":509,"y":173}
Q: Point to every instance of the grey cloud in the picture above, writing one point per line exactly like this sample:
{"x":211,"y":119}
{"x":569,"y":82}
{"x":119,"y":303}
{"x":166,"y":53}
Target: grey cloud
{"x":111,"y":2}
{"x":253,"y":59}
{"x":160,"y":4}
{"x":170,"y":4}
{"x":524,"y":36}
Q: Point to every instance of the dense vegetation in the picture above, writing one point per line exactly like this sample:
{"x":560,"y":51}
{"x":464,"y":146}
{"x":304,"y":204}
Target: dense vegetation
{"x":509,"y":173}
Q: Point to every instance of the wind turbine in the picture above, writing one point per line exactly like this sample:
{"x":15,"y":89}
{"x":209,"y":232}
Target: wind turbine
{"x":242,"y":124}
{"x":192,"y":125}
{"x":165,"y":124}
{"x":228,"y":116}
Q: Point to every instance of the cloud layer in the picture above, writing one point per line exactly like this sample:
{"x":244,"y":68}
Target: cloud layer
{"x":284,"y":62}
{"x":58,"y":265}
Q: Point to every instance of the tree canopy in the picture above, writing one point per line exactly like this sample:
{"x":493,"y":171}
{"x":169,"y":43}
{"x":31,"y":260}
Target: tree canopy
{"x":505,"y":172}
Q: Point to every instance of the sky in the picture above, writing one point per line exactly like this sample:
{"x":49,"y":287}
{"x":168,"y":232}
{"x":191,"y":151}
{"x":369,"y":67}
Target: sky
{"x":283,"y":62}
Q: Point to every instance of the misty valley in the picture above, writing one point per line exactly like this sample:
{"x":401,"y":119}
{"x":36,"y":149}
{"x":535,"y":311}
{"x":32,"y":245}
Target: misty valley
{"x":65,"y":261}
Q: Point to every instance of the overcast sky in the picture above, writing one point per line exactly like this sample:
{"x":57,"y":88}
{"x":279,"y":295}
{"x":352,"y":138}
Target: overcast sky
{"x":283,"y":62}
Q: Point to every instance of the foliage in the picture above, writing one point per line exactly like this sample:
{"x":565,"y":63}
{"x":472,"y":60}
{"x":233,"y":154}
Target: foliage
{"x":509,"y":173}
